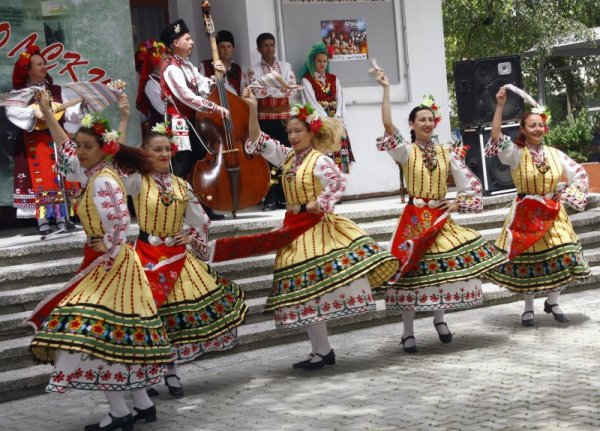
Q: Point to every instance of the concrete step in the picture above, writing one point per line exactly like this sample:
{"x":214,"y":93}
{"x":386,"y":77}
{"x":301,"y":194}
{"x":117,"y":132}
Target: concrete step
{"x":19,"y":378}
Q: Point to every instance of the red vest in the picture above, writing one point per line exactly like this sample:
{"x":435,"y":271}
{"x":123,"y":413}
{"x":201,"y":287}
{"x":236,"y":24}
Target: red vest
{"x":325,"y":93}
{"x":234,"y":74}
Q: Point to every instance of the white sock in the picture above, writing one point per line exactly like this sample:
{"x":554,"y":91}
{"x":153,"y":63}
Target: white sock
{"x":528,"y":313}
{"x":42,"y":220}
{"x":118,"y":407}
{"x":172,"y":380}
{"x":318,"y":333}
{"x":408,"y":319}
{"x":438,"y":317}
{"x":141,"y":400}
{"x":553,"y":299}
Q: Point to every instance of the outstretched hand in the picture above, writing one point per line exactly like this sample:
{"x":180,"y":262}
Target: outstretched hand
{"x":501,"y":97}
{"x":43,"y":99}
{"x":249,"y":97}
{"x":381,"y":78}
{"x":124,"y":107}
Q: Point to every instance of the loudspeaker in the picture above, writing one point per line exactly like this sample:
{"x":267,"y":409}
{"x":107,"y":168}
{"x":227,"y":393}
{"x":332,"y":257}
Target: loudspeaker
{"x":476,"y":83}
{"x":494,"y":175}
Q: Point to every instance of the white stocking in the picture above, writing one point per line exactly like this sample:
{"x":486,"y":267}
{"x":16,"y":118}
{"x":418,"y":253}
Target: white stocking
{"x":141,"y":400}
{"x":118,"y":407}
{"x":528,"y":313}
{"x":42,"y":220}
{"x":438,"y":317}
{"x":319,"y":339}
{"x":172,"y":372}
{"x":553,"y":299}
{"x":408,"y":319}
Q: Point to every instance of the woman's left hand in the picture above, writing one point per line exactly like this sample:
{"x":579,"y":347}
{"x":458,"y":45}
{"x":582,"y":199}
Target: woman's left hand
{"x":98,"y":246}
{"x":449,"y":206}
{"x":313,"y":207}
{"x":182,"y":239}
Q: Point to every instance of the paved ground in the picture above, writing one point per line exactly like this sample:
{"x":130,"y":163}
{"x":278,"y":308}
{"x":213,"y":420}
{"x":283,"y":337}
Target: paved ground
{"x":496,"y":375}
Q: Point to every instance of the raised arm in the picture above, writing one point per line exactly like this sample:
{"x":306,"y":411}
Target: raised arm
{"x":386,"y":107}
{"x":56,"y":130}
{"x":497,"y":120}
{"x":124,"y":118}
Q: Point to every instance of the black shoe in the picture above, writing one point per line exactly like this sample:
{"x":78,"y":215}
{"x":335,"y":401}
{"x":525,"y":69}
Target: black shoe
{"x":213,"y":216}
{"x":328,"y":359}
{"x":66,"y":227}
{"x":444,"y":338}
{"x":152,"y":392}
{"x":269,"y":207}
{"x":44,"y":229}
{"x":527,"y":322}
{"x":301,"y":364}
{"x":176,"y":391}
{"x":559,"y":317}
{"x":412,"y":349}
{"x":149,"y":414}
{"x":124,"y":422}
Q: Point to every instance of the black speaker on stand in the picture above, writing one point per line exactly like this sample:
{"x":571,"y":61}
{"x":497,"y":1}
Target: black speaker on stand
{"x":495,"y":176}
{"x":476,"y":83}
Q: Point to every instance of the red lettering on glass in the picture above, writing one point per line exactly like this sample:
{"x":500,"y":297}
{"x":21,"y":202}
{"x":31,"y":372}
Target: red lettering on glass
{"x":29,"y":40}
{"x":76,"y":61}
{"x":4,"y":28}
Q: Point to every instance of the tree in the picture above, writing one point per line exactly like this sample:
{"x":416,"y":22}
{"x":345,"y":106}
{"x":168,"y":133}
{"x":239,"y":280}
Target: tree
{"x":489,"y":28}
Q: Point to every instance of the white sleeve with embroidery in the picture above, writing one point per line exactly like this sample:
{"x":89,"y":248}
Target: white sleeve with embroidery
{"x":332,"y":180}
{"x":506,"y":150}
{"x":68,"y":163}
{"x":395,"y":145}
{"x":269,"y":148}
{"x":198,"y":224}
{"x":308,"y":95}
{"x":175,"y":79}
{"x":132,"y":182}
{"x":23,"y":118}
{"x":111,"y":205}
{"x":154,"y":94}
{"x":468,"y":187}
{"x":576,"y":193}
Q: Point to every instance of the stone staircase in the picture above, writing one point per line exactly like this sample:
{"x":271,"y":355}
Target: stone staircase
{"x":31,"y":269}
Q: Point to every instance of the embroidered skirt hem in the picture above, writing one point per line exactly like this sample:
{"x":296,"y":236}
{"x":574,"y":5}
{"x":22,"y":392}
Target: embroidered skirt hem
{"x":448,"y":296}
{"x":187,"y":352}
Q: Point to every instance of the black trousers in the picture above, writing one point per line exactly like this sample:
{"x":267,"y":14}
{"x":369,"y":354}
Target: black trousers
{"x":277,"y":130}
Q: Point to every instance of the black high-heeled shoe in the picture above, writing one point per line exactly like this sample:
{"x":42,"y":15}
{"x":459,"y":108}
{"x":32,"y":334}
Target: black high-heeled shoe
{"x":328,"y":359}
{"x":527,"y":322}
{"x":559,"y":317}
{"x":444,"y":338}
{"x":44,"y":229}
{"x":411,"y":349}
{"x":301,"y":364}
{"x":176,"y":391}
{"x":124,"y":422}
{"x":149,"y":414}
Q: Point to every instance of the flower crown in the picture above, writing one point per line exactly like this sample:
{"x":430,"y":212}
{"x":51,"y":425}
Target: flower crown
{"x":307,"y":114}
{"x":25,"y":55}
{"x":543,"y":112}
{"x":101,"y":128}
{"x":165,"y":129}
{"x":429,"y":102}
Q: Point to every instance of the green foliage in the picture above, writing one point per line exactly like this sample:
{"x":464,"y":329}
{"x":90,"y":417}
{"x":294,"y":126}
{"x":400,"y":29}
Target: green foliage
{"x":573,"y":136}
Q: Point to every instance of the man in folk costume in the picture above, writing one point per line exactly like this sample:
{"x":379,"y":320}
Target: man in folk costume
{"x":236,"y":79}
{"x":273,"y":106}
{"x":185,"y":91}
{"x":38,"y":192}
{"x":149,"y":100}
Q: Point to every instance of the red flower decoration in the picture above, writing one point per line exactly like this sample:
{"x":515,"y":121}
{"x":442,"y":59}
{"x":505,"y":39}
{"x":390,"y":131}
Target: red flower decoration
{"x":111,"y":148}
{"x":316,"y":125}
{"x":174,"y":149}
{"x":303,"y":113}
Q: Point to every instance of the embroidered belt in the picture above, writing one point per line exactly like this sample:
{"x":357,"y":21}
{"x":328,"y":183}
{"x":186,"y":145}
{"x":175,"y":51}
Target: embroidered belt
{"x":266,"y":109}
{"x":154,"y":240}
{"x":296,"y":209}
{"x":423,"y":202}
{"x":549,"y":195}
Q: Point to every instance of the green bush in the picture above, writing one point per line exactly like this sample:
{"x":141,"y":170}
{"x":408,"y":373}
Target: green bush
{"x":572,"y":136}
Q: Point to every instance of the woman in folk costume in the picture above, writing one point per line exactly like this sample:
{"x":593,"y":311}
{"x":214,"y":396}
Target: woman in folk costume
{"x":325,"y":264}
{"x":544,"y":252}
{"x":200,"y":308}
{"x":323,"y":90}
{"x":440,"y":261}
{"x":149,"y":99}
{"x":102,"y":330}
{"x":38,"y":192}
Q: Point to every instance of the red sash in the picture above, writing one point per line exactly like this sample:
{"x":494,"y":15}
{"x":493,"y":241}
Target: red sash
{"x":44,"y":308}
{"x":162,"y":266}
{"x":415,"y":233}
{"x":239,"y":247}
{"x":532,"y":218}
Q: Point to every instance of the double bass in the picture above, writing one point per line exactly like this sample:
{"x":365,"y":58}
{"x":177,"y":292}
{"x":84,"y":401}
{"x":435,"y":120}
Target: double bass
{"x":228,"y":178}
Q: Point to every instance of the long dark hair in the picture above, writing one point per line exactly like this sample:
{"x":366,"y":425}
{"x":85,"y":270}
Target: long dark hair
{"x":413,"y":115}
{"x":520,"y":139}
{"x":127,"y":159}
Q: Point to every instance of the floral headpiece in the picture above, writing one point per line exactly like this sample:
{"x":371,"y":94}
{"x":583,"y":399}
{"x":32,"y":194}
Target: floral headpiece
{"x":429,"y":102}
{"x":165,"y":129}
{"x":307,"y":114}
{"x":101,"y":128}
{"x":309,"y":64}
{"x":543,"y":112}
{"x":20,"y":70}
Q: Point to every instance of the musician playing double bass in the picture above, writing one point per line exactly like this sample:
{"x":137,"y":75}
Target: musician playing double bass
{"x":236,"y":78}
{"x":185,"y":91}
